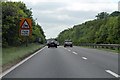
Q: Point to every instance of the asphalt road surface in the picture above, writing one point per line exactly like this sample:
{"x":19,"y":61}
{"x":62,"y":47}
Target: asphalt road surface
{"x":68,"y":62}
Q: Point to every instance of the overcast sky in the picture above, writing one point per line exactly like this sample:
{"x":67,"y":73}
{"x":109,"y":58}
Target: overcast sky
{"x":56,"y":15}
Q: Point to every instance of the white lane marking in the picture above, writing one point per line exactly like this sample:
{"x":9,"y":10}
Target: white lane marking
{"x":69,"y":50}
{"x":84,"y":58}
{"x":65,"y":48}
{"x":75,"y":53}
{"x":23,"y":61}
{"x":112,"y":73}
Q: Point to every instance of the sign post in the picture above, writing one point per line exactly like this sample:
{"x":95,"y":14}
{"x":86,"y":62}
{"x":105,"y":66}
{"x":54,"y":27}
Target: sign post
{"x":25,"y":28}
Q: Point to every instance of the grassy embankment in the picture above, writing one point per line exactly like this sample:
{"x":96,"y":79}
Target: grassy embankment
{"x":13,"y":55}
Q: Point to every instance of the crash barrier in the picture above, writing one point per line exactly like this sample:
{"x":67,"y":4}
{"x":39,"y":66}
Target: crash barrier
{"x":106,"y":46}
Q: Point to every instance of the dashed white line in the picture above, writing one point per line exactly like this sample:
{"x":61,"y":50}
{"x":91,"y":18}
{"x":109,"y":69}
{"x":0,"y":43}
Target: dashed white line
{"x":112,"y":73}
{"x":75,"y":53}
{"x":23,"y":61}
{"x":84,"y":58}
{"x":69,"y":50}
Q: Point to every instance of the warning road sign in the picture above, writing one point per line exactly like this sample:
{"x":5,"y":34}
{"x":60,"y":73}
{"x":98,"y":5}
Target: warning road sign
{"x":25,"y":27}
{"x":25,"y":23}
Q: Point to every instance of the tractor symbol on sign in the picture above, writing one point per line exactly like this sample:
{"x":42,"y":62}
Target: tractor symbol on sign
{"x":25,"y":25}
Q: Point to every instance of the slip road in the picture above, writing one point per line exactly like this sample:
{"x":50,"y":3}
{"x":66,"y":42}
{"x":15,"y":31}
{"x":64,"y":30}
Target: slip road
{"x":68,"y":62}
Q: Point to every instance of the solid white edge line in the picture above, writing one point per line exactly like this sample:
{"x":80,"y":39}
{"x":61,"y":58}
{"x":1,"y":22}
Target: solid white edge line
{"x":75,"y":53}
{"x":112,"y":73}
{"x":84,"y":58}
{"x":18,"y":64}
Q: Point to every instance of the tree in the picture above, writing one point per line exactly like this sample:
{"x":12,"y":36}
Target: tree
{"x":12,"y":12}
{"x":100,"y":31}
{"x":102,"y":15}
{"x":114,"y":14}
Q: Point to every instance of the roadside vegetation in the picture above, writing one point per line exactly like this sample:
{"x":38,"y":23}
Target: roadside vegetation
{"x":13,"y":45}
{"x":13,"y":55}
{"x":103,"y":30}
{"x":12,"y":12}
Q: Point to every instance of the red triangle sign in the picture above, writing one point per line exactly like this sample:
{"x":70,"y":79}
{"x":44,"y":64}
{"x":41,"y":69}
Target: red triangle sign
{"x":25,"y":25}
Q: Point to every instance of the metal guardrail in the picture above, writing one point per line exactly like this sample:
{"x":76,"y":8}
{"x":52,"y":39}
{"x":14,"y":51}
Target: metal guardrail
{"x":107,"y":46}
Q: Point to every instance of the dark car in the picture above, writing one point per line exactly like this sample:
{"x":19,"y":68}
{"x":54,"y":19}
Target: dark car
{"x":58,"y":44}
{"x":68,"y":43}
{"x":52,"y":43}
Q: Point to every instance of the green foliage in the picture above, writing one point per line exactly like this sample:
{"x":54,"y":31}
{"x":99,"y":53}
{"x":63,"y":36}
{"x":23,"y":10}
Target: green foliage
{"x":18,"y":52}
{"x":12,"y":12}
{"x":116,"y":13}
{"x":99,"y":31}
{"x":38,"y":33}
{"x":102,"y":15}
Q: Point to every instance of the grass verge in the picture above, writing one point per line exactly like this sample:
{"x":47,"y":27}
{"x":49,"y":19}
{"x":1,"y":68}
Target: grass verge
{"x":13,"y":55}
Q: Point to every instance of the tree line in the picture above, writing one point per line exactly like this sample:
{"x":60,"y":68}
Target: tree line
{"x":103,"y":30}
{"x":12,"y":12}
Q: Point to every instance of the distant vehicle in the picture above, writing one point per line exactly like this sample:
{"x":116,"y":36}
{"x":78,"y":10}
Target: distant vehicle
{"x":58,"y":43}
{"x":68,"y":43}
{"x":52,"y":43}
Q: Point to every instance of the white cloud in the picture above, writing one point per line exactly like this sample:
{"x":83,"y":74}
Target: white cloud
{"x":53,"y":30}
{"x":92,"y":6}
{"x":57,"y":15}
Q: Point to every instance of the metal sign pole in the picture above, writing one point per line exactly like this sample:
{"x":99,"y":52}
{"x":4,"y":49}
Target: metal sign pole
{"x":26,"y":41}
